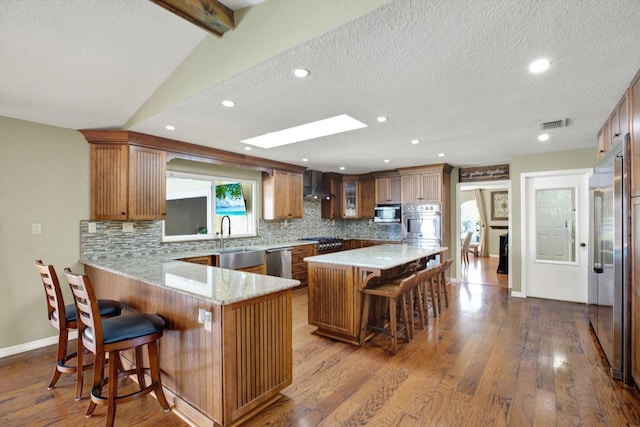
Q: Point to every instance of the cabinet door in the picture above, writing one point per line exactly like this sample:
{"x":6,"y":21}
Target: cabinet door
{"x":147,"y":183}
{"x":109,"y":169}
{"x":635,"y":290}
{"x":601,"y":151}
{"x":431,"y":185}
{"x":395,"y":190}
{"x":382,"y":190}
{"x":635,"y":137}
{"x":411,"y":188}
{"x":295,"y":195}
{"x":350,"y":199}
{"x":366,"y":198}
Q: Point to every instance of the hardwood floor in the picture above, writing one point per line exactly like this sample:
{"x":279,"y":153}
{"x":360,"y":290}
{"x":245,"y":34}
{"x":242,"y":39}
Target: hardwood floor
{"x":483,"y":271}
{"x":487,"y":360}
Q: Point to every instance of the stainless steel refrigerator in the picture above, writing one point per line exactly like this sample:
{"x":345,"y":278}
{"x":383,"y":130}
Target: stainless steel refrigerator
{"x":609,"y":297}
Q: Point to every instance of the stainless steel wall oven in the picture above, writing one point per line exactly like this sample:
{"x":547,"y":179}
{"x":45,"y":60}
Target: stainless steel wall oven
{"x":421,"y":224}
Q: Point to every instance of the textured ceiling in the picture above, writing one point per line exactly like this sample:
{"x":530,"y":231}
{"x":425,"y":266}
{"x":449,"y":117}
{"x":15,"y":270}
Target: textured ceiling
{"x":452,"y":74}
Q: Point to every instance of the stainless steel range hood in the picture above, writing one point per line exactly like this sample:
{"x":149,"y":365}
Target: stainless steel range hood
{"x":312,"y":186}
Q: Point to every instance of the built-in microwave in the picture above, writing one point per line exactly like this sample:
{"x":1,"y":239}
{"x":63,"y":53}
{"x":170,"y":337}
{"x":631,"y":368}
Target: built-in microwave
{"x":387,"y":214}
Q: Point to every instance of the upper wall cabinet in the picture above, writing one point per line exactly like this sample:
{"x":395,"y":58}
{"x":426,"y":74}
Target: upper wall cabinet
{"x":425,"y":184}
{"x":617,"y":126}
{"x":388,"y":190}
{"x":366,"y":197}
{"x":282,"y":195}
{"x":354,"y":196}
{"x":127,"y":182}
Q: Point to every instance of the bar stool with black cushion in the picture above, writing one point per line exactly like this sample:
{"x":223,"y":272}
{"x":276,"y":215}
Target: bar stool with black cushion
{"x":393,"y":292}
{"x":63,"y":318}
{"x":441,"y":282}
{"x":111,"y":336}
{"x":425,"y":280}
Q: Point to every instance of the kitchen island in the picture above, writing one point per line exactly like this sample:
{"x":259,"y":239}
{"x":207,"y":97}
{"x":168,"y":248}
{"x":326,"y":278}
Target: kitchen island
{"x":226,"y":352}
{"x":337,"y":279}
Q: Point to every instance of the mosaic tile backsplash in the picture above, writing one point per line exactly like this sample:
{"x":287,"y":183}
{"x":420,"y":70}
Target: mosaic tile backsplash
{"x":109,"y":241}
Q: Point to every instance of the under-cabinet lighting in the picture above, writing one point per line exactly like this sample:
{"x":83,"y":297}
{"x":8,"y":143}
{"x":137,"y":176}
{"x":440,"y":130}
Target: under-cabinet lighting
{"x":320,"y":128}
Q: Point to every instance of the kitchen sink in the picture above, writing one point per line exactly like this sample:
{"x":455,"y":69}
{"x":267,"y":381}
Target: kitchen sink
{"x":235,"y":258}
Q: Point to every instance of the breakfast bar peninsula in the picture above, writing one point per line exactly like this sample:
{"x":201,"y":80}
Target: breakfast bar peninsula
{"x":226,"y":352}
{"x":337,"y":279}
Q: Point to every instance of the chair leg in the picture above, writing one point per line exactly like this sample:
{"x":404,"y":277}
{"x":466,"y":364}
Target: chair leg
{"x":139,"y":368}
{"x":418,"y":299}
{"x":407,"y":318}
{"x":365,"y":318}
{"x":443,"y":288}
{"x":112,"y":389}
{"x":61,"y":358}
{"x":80,"y":369}
{"x":434,"y":301}
{"x":393,"y":325}
{"x":98,"y":381}
{"x":154,"y":365}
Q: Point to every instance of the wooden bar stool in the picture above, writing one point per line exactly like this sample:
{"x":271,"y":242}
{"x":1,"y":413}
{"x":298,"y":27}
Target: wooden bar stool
{"x":393,"y":292}
{"x":63,"y":318}
{"x":441,"y":282}
{"x":425,"y":280}
{"x":109,"y":337}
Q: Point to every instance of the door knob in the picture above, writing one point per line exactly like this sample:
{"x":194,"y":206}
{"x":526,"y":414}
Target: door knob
{"x":582,"y":244}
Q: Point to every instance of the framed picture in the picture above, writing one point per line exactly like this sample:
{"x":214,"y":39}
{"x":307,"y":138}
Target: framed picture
{"x":499,"y":205}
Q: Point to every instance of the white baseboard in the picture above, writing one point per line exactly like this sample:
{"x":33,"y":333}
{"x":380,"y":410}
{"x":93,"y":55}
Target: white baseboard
{"x":518,"y":294}
{"x":21,"y":348}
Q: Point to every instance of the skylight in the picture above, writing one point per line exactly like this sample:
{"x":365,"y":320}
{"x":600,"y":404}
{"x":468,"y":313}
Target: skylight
{"x":325,"y":127}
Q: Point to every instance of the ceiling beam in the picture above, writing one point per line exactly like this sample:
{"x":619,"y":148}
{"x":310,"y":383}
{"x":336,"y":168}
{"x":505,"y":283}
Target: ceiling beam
{"x":210,"y":15}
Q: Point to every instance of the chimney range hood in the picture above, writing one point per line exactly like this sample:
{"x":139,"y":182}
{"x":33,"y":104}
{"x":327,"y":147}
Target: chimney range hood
{"x":312,"y":186}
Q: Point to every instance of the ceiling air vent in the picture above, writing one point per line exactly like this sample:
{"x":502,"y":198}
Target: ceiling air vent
{"x":553,"y":124}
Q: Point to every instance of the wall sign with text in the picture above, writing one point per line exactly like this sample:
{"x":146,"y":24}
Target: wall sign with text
{"x":484,"y":173}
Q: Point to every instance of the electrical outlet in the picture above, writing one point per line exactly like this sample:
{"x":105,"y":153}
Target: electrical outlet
{"x":36,"y":229}
{"x":205,"y":318}
{"x":127,"y":227}
{"x":92,"y":227}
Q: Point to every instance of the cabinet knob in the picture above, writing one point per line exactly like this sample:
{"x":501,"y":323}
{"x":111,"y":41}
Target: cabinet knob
{"x":582,"y":244}
{"x":123,"y":213}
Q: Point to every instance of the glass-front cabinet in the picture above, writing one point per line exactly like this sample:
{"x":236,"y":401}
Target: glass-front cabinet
{"x":350,"y":202}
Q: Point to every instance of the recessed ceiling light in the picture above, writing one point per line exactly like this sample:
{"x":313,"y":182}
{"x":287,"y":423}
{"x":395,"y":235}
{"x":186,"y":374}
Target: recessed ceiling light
{"x":325,"y":127}
{"x":305,"y":160}
{"x":543,"y":137}
{"x":301,"y":73}
{"x":387,"y":160}
{"x":248,"y":148}
{"x":342,"y":168}
{"x":440,"y":154}
{"x":415,"y":141}
{"x":539,"y":65}
{"x":382,"y":119}
{"x":170,"y":127}
{"x":227,"y":103}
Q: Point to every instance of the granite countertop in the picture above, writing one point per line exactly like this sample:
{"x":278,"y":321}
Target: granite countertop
{"x":380,"y":257}
{"x":218,"y":285}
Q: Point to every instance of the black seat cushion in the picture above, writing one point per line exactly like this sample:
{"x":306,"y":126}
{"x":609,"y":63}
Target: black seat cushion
{"x":130,"y":325}
{"x":107,"y":307}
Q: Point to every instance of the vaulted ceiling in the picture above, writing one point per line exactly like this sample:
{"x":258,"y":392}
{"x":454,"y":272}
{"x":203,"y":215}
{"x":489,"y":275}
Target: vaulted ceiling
{"x":452,"y":74}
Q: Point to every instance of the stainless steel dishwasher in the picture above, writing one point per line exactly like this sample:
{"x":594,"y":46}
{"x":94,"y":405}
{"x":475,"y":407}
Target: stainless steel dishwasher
{"x":279,"y":262}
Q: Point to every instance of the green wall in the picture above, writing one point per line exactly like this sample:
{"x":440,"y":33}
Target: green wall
{"x":44,"y":179}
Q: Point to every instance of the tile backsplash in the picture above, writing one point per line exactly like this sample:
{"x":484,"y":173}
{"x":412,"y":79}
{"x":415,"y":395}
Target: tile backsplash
{"x":109,"y":240}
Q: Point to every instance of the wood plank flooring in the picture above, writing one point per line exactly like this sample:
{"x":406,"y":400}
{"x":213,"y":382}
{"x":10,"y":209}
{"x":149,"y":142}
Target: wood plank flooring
{"x":487,"y":360}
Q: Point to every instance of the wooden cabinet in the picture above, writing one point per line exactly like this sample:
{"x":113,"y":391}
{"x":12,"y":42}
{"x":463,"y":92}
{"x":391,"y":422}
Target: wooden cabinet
{"x":366,"y":198}
{"x":388,"y":190}
{"x":635,"y":290}
{"x":634,"y":125}
{"x":256,"y":269}
{"x":202,"y":260}
{"x":354,"y":196}
{"x":298,"y":265}
{"x":127,"y":182}
{"x":282,"y":195}
{"x":422,"y":187}
{"x":616,"y":126}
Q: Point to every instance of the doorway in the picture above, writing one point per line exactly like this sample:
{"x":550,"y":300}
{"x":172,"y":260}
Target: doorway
{"x":482,"y":269}
{"x":555,"y":229}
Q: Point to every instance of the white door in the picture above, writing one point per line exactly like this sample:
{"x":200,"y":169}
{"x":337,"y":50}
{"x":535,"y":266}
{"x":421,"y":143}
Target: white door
{"x":555,"y":234}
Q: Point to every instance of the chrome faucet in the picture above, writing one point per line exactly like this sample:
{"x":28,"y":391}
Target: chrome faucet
{"x":222,"y":230}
